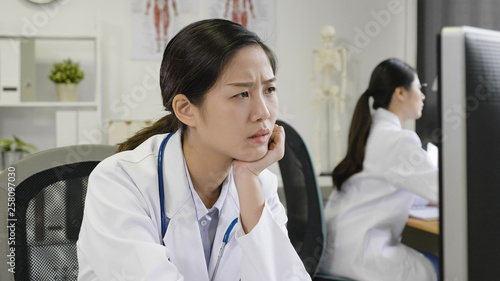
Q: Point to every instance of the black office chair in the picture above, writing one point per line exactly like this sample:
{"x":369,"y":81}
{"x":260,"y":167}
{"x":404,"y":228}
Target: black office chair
{"x":303,"y":200}
{"x":304,"y":204}
{"x":48,"y":190}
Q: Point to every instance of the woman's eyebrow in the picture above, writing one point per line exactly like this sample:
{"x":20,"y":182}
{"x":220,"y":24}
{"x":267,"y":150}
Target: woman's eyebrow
{"x":249,"y":84}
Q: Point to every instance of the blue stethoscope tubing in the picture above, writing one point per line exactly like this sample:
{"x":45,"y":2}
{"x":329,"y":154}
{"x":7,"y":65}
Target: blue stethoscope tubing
{"x":161,"y":186}
{"x":161,"y":190}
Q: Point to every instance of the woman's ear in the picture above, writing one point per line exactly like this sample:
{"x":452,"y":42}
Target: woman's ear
{"x":184,"y":110}
{"x":399,"y":94}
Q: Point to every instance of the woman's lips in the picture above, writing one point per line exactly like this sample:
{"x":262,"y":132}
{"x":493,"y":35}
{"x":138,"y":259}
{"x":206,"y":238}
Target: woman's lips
{"x":259,"y":137}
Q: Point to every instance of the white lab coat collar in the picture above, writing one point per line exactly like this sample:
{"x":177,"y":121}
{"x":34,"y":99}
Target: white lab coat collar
{"x":384,"y":115}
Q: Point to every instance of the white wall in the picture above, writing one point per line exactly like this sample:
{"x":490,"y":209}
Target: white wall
{"x":298,"y":33}
{"x":298,"y":23}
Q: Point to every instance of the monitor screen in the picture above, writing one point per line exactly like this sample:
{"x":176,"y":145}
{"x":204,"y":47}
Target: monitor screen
{"x":469,"y":99}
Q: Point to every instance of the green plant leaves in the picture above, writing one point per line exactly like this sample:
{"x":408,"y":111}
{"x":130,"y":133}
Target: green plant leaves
{"x":16,"y":145}
{"x":66,"y":72}
{"x":5,"y":144}
{"x":22,"y":146}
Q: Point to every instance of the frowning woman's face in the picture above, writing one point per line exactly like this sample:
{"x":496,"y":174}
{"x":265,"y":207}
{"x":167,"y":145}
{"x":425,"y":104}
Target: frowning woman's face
{"x":239,"y":112}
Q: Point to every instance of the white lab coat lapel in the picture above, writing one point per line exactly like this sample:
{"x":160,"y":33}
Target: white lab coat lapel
{"x":183,"y":235}
{"x":183,"y":238}
{"x":229,"y":267}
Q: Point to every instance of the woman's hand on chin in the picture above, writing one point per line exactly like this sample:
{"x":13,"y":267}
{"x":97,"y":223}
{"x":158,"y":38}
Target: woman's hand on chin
{"x":276,"y":150}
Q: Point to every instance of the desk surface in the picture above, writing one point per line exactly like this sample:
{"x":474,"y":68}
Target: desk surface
{"x":431,"y":226}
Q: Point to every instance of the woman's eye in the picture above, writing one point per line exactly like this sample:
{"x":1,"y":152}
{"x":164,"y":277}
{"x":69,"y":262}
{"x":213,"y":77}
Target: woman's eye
{"x":270,"y":90}
{"x":242,"y":95}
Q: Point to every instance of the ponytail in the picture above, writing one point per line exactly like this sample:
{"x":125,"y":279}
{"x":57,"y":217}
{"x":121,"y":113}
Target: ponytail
{"x":167,"y":124}
{"x":358,"y":134}
{"x":385,"y":78}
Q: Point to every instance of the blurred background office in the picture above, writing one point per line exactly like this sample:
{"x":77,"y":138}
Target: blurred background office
{"x":119,"y":93}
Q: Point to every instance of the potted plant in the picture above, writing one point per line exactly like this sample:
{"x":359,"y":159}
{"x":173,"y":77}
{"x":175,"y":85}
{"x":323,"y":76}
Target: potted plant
{"x":12,"y":150}
{"x":66,"y":74}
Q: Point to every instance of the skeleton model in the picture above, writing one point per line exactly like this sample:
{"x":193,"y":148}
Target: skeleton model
{"x":328,"y":62}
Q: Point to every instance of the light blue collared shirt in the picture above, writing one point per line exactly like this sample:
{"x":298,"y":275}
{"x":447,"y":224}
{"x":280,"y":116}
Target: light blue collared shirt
{"x":207,"y":219}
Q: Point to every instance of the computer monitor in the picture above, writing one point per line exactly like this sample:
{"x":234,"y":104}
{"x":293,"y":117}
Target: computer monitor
{"x":469,"y":161}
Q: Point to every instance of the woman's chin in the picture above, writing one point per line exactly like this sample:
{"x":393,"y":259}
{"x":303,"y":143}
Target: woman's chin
{"x":254,"y":155}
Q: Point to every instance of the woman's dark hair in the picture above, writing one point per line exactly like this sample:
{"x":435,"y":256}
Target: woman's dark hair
{"x":385,"y":78}
{"x":192,"y":62}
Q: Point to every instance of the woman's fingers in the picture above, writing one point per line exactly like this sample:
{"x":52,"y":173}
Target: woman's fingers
{"x":277,"y":143}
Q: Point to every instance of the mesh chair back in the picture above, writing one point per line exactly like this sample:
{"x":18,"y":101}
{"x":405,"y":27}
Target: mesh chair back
{"x":49,"y":199}
{"x":306,"y":227}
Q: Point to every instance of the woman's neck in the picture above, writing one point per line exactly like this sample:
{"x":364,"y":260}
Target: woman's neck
{"x":399,"y":113}
{"x":207,"y":169}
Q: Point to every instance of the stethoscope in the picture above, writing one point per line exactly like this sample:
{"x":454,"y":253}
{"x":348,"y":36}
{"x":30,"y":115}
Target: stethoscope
{"x":225,"y":239}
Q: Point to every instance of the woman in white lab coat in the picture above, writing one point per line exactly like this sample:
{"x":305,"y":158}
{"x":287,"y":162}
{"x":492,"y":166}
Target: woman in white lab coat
{"x":218,"y":81}
{"x":384,"y":170}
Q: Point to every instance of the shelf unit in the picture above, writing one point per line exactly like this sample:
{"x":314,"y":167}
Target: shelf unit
{"x":39,"y":118}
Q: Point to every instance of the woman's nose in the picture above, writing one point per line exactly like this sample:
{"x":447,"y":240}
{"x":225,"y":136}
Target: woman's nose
{"x":260,"y":110}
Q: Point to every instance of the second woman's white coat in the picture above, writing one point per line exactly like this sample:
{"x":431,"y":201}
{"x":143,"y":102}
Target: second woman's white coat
{"x":366,"y":218}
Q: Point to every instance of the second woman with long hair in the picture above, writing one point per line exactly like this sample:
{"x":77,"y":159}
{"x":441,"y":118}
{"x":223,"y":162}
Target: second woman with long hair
{"x":384,"y":170}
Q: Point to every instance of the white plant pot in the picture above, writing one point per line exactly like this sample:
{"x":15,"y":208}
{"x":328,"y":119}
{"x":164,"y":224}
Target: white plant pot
{"x":8,"y":158}
{"x":67,"y":92}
